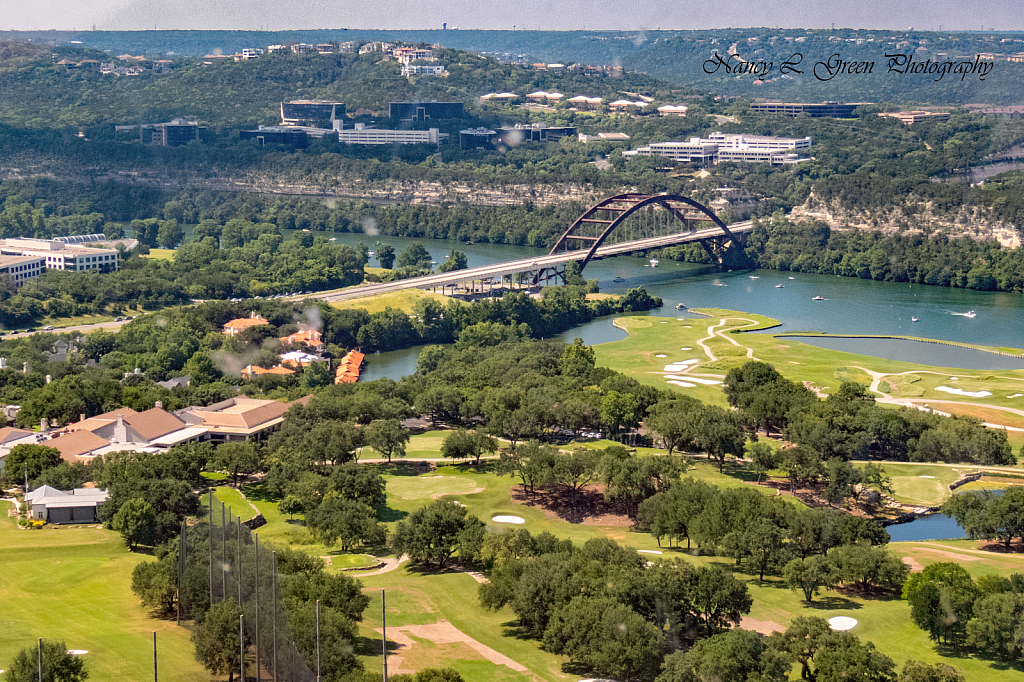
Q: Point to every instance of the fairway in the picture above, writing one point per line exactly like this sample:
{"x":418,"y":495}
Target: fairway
{"x":400,"y":300}
{"x":73,"y":583}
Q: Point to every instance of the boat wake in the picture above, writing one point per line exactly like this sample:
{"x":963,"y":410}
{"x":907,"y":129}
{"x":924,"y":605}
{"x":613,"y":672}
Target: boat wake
{"x":970,"y":313}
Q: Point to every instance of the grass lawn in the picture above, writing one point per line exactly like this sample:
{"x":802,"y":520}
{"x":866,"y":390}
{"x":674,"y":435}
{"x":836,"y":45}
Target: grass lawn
{"x":400,"y":300}
{"x":160,"y":254}
{"x":922,"y":485}
{"x":73,"y":583}
{"x":421,"y":446}
{"x":636,"y":356}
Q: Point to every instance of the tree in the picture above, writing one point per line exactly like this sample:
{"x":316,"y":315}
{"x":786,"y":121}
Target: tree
{"x":996,"y":625}
{"x":917,"y":671}
{"x":866,"y":566}
{"x":985,"y":514}
{"x":347,"y":522}
{"x":385,"y":255}
{"x":216,"y":639}
{"x":456,"y":261}
{"x":802,"y":640}
{"x":415,"y":255}
{"x":461,"y":444}
{"x":290,"y":505}
{"x":809,"y":574}
{"x":58,"y":665}
{"x":577,"y":360}
{"x":156,"y":584}
{"x":764,"y":458}
{"x":136,"y":522}
{"x":433,"y":533}
{"x":170,"y":234}
{"x":844,"y":658}
{"x":734,"y":656}
{"x":718,"y":433}
{"x":941,"y":599}
{"x":429,"y":675}
{"x":574,"y":471}
{"x":237,"y":458}
{"x":841,"y":477}
{"x":531,"y":462}
{"x":674,"y":421}
{"x":607,"y":637}
{"x":801,"y":464}
{"x":34,"y":459}
{"x":387,"y":437}
{"x":618,"y":410}
{"x":718,"y":599}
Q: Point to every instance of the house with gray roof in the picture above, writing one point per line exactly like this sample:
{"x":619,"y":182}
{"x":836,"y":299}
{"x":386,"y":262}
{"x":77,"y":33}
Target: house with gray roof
{"x":80,"y":505}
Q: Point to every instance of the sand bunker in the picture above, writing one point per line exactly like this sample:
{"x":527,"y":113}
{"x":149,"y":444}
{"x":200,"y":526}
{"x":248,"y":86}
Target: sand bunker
{"x":664,"y":322}
{"x":681,"y":365}
{"x":960,"y":391}
{"x":1015,"y":395}
{"x":684,"y":384}
{"x":842,"y":623}
{"x":77,"y":652}
{"x":648,"y":551}
{"x":661,"y":356}
{"x":926,"y":477}
{"x":503,"y":518}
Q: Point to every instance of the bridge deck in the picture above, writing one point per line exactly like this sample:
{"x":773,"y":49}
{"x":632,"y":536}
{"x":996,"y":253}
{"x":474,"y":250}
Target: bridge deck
{"x":487,"y":272}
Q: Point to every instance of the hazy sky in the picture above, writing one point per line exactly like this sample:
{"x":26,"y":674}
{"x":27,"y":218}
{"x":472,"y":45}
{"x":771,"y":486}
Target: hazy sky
{"x":530,"y":14}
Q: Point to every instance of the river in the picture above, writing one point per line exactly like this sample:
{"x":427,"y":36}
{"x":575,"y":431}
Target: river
{"x":851,"y":305}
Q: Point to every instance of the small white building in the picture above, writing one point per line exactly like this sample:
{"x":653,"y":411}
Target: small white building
{"x":80,"y":505}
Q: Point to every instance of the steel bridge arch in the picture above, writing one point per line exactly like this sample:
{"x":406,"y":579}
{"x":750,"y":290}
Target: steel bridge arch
{"x":626,"y":205}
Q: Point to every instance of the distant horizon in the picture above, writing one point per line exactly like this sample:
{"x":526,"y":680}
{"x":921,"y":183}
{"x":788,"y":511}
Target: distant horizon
{"x":531,"y":15}
{"x":503,"y":30}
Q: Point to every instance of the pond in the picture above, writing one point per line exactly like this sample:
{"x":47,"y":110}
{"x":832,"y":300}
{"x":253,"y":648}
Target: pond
{"x":933,"y":527}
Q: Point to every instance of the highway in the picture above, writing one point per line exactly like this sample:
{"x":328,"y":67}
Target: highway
{"x":498,"y":270}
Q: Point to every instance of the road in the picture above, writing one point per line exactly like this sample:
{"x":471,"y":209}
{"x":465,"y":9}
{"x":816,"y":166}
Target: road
{"x":77,"y":328}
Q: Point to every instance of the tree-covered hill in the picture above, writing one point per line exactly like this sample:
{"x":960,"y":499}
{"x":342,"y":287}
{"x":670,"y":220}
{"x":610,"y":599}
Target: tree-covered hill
{"x":224,"y":93}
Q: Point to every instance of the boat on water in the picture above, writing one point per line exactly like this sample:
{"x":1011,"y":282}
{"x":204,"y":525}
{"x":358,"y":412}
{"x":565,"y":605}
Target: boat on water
{"x":618,"y":279}
{"x":680,"y":306}
{"x":818,"y":298}
{"x":718,"y":284}
{"x":971,"y":314}
{"x":913,"y":319}
{"x":754,"y":277}
{"x":654,"y":262}
{"x":334,"y":239}
{"x":792,"y":277}
{"x":780,"y":286}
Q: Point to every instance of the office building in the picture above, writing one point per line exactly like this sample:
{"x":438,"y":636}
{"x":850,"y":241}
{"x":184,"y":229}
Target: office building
{"x":363,"y":135}
{"x":477,"y":138}
{"x":422,"y":70}
{"x":236,"y":419}
{"x":534,"y":132}
{"x":425,"y":111}
{"x":311,"y":111}
{"x":822,"y":110}
{"x":264,"y":135}
{"x":58,"y":255}
{"x":911,"y":117}
{"x":170,"y":134}
{"x":718,"y":147}
{"x":604,"y":137}
{"x":17,"y":270}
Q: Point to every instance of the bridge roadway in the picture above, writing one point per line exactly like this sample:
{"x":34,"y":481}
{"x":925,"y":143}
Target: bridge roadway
{"x":498,"y":270}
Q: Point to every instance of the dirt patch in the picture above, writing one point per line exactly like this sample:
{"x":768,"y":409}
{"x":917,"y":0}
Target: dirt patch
{"x":915,"y":565}
{"x":762,"y":627}
{"x":444,"y":632}
{"x":591,"y":508}
{"x":438,"y":496}
{"x":950,"y":555}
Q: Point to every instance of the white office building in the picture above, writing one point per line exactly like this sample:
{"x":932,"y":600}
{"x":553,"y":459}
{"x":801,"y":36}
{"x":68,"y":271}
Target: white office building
{"x":422,"y":70}
{"x":363,"y":135}
{"x":19,"y":269}
{"x":718,"y":147}
{"x":58,"y":255}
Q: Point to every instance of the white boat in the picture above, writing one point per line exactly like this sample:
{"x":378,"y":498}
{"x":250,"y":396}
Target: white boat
{"x":792,"y":277}
{"x":913,"y":319}
{"x":780,"y":286}
{"x":680,"y":306}
{"x":618,"y":279}
{"x":971,"y":314}
{"x":818,"y":298}
{"x":654,"y":262}
{"x":754,"y":277}
{"x":334,"y":239}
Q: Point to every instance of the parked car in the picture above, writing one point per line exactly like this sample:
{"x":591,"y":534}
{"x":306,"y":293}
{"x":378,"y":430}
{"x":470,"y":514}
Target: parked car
{"x":48,"y":328}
